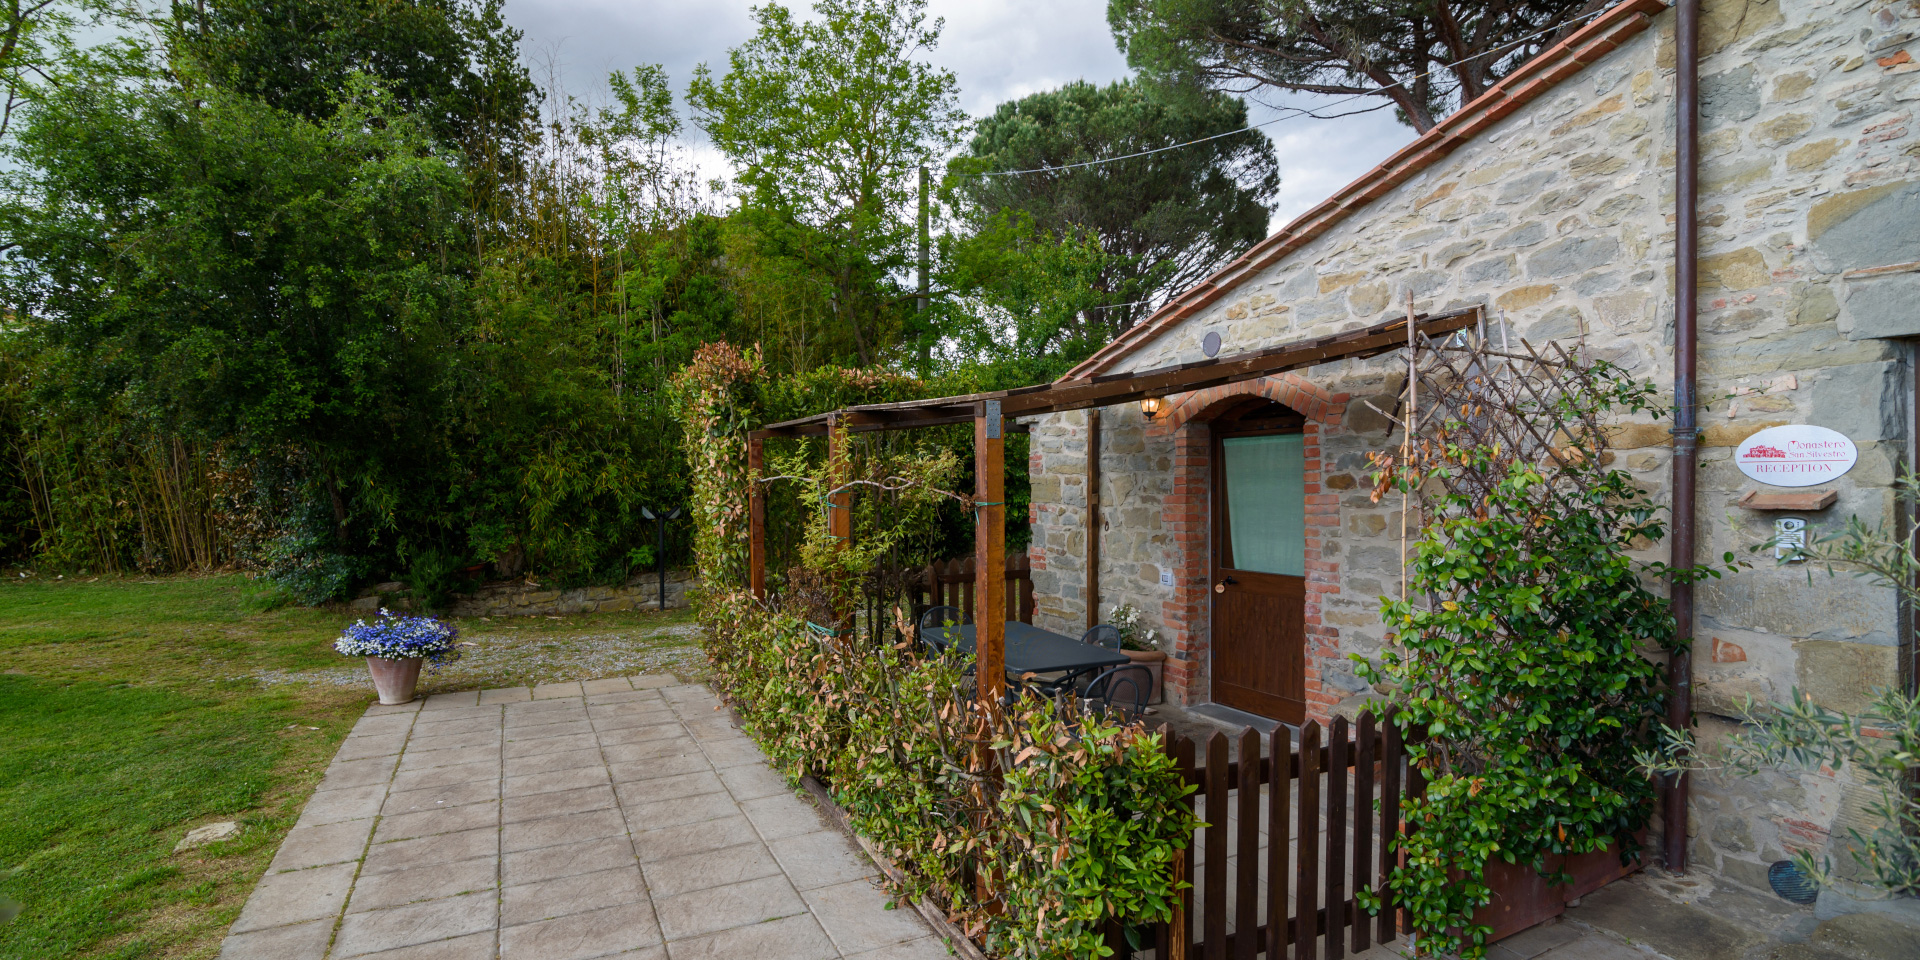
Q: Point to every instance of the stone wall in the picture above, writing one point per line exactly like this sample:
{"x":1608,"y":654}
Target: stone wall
{"x":1557,"y":221}
{"x":531,"y":600}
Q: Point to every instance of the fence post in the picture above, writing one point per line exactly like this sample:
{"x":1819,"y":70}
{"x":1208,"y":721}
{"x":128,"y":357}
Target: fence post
{"x":1180,"y":928}
{"x":1246,"y":922}
{"x":1280,"y":776}
{"x":1363,"y":879}
{"x":1336,"y":899}
{"x":1214,"y":931}
{"x":1306,"y":926}
{"x":1390,"y":757}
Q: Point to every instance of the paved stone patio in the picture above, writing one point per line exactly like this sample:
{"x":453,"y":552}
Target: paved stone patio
{"x":624,"y":817}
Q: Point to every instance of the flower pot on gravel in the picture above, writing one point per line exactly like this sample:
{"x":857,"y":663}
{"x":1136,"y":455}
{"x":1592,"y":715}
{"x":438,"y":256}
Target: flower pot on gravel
{"x":1156,"y":663}
{"x":395,"y":646}
{"x":394,"y":679}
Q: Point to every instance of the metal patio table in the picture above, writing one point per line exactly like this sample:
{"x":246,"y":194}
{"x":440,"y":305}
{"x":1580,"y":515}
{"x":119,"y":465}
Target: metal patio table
{"x":1033,"y":650}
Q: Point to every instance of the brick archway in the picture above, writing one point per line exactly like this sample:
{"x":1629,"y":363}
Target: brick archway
{"x":1187,"y":517}
{"x":1297,"y":393}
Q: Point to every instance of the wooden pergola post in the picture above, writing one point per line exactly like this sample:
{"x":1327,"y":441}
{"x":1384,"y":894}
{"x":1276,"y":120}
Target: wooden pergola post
{"x":989,"y":551}
{"x":1093,"y":517}
{"x":839,"y":498}
{"x":756,"y":518}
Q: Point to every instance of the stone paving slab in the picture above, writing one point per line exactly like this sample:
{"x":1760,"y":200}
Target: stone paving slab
{"x":625,"y":816}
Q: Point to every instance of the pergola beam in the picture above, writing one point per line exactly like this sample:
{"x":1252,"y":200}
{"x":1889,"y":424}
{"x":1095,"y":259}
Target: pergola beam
{"x":1118,"y":388}
{"x":1127,"y":387}
{"x":1032,"y":401}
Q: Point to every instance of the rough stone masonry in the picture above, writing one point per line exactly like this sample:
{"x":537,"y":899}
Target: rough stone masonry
{"x":1558,"y":221}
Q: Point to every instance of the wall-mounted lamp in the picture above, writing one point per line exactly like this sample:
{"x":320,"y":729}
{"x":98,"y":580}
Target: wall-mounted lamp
{"x":1150,"y":407}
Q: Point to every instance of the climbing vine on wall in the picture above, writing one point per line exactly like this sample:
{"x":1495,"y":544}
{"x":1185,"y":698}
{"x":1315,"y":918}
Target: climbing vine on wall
{"x":1523,"y":647}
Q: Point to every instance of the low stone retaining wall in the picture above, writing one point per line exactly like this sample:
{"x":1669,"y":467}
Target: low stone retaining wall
{"x":532,"y":600}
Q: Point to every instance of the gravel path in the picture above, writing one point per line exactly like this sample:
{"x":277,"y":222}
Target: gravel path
{"x":503,"y":652}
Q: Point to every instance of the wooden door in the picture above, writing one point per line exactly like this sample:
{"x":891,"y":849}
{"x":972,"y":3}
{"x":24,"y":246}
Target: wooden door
{"x":1259,"y":563}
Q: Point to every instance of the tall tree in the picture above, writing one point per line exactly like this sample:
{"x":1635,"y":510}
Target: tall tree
{"x":453,"y":65}
{"x":1161,"y":221}
{"x":827,"y":122}
{"x":1423,"y":57}
{"x":238,"y":272}
{"x":32,"y":35}
{"x":1018,"y":304}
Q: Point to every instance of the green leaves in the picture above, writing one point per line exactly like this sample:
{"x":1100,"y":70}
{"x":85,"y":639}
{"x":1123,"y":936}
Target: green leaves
{"x":1521,"y":660}
{"x":1126,"y":231}
{"x":827,"y":122}
{"x":1080,"y":827}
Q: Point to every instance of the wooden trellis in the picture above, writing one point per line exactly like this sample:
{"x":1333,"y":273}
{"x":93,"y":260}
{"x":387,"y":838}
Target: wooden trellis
{"x":1493,"y":393}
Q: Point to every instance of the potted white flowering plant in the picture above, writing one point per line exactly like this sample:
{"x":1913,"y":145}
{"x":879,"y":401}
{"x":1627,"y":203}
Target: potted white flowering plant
{"x":1138,"y":643}
{"x":395,"y":646}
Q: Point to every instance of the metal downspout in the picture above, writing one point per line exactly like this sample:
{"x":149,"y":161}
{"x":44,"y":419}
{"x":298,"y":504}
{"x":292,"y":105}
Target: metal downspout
{"x":1685,"y":404}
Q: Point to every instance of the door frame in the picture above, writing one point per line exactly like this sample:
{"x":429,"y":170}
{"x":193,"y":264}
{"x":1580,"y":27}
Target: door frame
{"x":1228,"y":425}
{"x":1186,"y":518}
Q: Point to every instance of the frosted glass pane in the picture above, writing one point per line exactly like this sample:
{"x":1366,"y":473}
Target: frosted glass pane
{"x":1266,"y":502}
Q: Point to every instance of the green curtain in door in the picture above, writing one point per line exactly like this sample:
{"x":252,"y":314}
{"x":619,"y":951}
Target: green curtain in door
{"x":1266,"y":502}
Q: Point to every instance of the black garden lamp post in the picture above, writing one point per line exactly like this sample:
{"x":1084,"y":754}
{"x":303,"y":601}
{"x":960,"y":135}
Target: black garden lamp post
{"x":660,"y":550}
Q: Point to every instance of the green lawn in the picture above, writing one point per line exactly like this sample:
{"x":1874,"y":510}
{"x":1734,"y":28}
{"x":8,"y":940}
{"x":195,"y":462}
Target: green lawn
{"x":134,"y":710}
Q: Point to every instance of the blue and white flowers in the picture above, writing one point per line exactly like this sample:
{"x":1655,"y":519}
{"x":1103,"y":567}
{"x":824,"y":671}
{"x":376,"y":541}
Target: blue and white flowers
{"x":397,"y":637}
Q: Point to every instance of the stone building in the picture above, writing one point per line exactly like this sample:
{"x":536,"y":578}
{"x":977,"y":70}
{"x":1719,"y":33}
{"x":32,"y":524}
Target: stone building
{"x":1549,"y":203}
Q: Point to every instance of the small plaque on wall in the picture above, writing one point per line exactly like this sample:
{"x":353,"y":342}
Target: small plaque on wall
{"x":1798,"y":455}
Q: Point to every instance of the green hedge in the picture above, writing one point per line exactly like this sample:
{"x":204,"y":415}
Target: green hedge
{"x":1080,"y":828}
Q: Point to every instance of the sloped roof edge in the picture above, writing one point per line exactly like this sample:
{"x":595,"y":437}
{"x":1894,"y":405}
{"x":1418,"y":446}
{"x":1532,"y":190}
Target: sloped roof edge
{"x":1556,"y":63}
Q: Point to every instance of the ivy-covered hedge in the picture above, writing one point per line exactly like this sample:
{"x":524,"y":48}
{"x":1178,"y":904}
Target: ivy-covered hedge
{"x":1080,"y":827}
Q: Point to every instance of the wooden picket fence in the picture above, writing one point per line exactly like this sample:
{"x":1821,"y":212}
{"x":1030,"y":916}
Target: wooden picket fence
{"x":950,"y":583}
{"x":1292,"y":835}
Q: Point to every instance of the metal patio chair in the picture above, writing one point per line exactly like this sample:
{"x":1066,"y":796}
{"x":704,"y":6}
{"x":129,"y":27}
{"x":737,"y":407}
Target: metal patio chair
{"x":1121,"y":691}
{"x":1105,"y":635}
{"x":935,"y":618}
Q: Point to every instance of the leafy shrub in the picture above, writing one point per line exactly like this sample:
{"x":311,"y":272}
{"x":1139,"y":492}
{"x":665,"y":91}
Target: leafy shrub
{"x":1881,"y":746}
{"x":311,"y":572}
{"x":434,"y":576}
{"x":1080,"y":829}
{"x":1519,"y":653}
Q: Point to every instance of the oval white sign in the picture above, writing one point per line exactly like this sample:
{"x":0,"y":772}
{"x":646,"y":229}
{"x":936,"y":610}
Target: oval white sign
{"x":1799,"y":455}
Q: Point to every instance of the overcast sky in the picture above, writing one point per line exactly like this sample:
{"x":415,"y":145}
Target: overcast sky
{"x":999,"y":49}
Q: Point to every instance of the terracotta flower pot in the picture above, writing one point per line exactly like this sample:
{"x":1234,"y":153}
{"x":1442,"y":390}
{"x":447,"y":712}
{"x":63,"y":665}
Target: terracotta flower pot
{"x":395,"y":679}
{"x":1156,"y":663}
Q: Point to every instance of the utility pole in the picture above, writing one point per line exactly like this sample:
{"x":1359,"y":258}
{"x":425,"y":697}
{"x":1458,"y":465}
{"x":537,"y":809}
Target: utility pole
{"x":923,"y":242}
{"x":920,"y":311}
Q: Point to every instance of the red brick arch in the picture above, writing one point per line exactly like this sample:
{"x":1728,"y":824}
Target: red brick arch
{"x":1186,"y":513}
{"x":1295,"y":392}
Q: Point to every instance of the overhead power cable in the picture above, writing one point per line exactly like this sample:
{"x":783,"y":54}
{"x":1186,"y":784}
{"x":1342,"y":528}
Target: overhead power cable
{"x":1293,"y":112}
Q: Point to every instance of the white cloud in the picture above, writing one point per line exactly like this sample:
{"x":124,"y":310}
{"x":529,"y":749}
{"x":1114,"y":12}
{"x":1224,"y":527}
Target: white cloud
{"x":999,"y":49}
